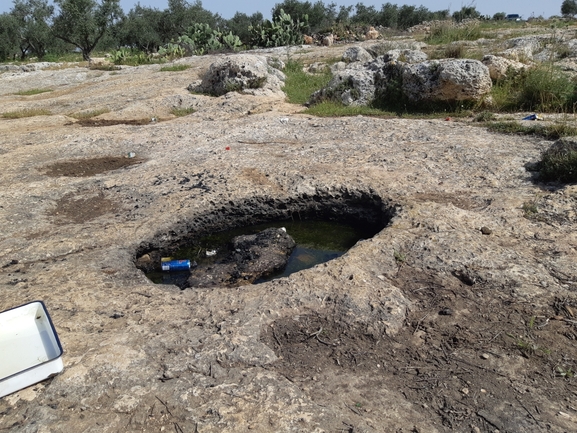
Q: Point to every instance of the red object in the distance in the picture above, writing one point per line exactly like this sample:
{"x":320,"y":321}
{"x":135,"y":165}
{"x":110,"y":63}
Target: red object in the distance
{"x":227,"y":148}
{"x":448,"y":119}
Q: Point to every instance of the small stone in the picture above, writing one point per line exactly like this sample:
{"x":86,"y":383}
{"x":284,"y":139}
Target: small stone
{"x":465,"y":391}
{"x":486,"y":230}
{"x":446,"y":312}
{"x":485,"y":356}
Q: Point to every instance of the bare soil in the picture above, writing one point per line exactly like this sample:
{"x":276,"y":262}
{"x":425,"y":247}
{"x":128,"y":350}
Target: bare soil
{"x":466,"y":357}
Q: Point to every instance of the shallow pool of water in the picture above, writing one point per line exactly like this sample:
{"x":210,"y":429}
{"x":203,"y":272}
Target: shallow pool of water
{"x":317,"y":242}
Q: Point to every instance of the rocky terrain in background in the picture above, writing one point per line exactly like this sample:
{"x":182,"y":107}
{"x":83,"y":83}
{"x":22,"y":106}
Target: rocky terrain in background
{"x":458,"y":316}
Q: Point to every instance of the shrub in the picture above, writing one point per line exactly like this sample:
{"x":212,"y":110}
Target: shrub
{"x":559,"y":162}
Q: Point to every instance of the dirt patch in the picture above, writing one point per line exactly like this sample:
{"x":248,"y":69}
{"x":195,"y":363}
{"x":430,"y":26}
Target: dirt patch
{"x":472,"y":356}
{"x":89,"y":167}
{"x":70,"y":209}
{"x":112,"y":122}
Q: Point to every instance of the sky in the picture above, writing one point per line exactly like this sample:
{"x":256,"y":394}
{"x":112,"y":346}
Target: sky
{"x":227,"y":8}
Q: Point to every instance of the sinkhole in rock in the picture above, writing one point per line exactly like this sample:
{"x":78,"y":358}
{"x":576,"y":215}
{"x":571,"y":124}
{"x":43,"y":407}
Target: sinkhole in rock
{"x":263,"y":238}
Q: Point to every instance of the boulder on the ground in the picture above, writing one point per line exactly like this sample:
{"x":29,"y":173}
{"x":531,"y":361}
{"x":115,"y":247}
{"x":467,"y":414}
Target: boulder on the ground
{"x":430,"y":81}
{"x":356,"y":54}
{"x":499,"y":67}
{"x":354,"y":85}
{"x":251,"y":257}
{"x":240,"y":73}
{"x":446,"y":80}
{"x":371,"y":34}
{"x":405,"y":55}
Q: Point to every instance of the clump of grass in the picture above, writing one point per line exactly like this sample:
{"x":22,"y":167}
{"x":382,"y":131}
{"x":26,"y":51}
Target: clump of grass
{"x":179,"y":112}
{"x":445,"y":33}
{"x":89,"y":114}
{"x":174,"y":68}
{"x":484,"y":116}
{"x":454,"y":51}
{"x":542,"y":88}
{"x":331,"y":108}
{"x":31,"y":92}
{"x":529,"y":209}
{"x":299,"y":86}
{"x":26,"y":113}
{"x":552,"y":131}
{"x":559,"y":162}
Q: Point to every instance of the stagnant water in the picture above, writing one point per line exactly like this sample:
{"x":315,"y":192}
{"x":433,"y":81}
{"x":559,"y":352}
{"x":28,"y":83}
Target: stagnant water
{"x":317,"y":242}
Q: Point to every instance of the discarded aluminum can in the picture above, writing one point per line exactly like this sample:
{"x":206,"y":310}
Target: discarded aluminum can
{"x":176,"y":265}
{"x":533,"y":117}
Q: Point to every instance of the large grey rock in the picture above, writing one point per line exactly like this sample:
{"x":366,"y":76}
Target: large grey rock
{"x":524,"y":47}
{"x":241,"y":73}
{"x":354,"y":85}
{"x":446,"y":80}
{"x":500,"y":66}
{"x":356,"y":54}
{"x":407,"y":56}
{"x":432,"y":81}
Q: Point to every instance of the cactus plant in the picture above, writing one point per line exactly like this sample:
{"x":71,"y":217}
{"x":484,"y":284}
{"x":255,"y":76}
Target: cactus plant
{"x":282,"y":31}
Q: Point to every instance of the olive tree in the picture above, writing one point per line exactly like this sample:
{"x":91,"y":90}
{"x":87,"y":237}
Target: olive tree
{"x":569,"y":8}
{"x":9,"y":42}
{"x":83,"y":23}
{"x":33,"y":18}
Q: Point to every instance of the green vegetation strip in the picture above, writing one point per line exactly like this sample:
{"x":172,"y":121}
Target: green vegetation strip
{"x":89,"y":114}
{"x":31,"y":92}
{"x":552,"y":131}
{"x":25,"y":113}
{"x":179,"y":112}
{"x":174,"y":68}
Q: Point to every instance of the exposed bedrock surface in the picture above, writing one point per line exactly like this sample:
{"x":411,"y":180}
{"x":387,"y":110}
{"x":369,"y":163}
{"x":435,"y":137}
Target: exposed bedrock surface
{"x":356,"y":343}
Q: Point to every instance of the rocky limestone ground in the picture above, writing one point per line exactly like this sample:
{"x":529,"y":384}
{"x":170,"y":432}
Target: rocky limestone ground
{"x":458,"y":316}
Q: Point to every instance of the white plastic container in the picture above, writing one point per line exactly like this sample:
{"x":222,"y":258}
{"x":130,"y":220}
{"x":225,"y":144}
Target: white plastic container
{"x":30,"y":350}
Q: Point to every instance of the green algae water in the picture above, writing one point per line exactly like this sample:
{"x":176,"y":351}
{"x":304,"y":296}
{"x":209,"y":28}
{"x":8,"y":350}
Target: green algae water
{"x":317,"y":242}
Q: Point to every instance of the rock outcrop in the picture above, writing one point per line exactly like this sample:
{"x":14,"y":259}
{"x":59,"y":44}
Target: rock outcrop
{"x":499,"y":67}
{"x":445,"y":80}
{"x":429,"y":81}
{"x":240,"y":73}
{"x":356,"y":54}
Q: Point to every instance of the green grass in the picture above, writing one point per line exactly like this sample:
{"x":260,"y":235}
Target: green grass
{"x":25,"y":113}
{"x":336,"y":109}
{"x":31,"y":92}
{"x":174,"y":68}
{"x":542,"y":88}
{"x":89,"y":114}
{"x":299,"y":86}
{"x":446,"y":33}
{"x":552,"y":131}
{"x":179,"y":112}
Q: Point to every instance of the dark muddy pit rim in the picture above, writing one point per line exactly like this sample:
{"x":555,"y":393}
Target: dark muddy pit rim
{"x":347,"y":206}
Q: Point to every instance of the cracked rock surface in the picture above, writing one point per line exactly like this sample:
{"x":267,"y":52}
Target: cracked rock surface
{"x":354,"y":344}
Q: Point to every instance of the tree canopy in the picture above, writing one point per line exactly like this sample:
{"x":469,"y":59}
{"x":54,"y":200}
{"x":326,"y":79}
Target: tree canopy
{"x":83,"y":23}
{"x":569,"y":8}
